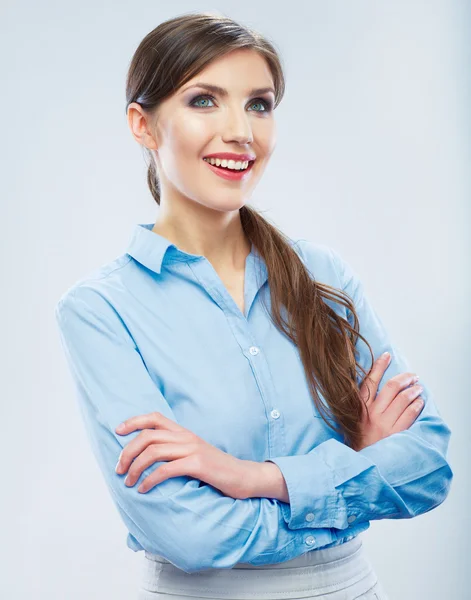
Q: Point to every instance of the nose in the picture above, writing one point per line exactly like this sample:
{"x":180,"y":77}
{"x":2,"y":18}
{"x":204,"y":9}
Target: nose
{"x":237,"y":128}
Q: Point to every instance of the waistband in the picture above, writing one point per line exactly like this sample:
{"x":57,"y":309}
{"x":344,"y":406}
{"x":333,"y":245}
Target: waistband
{"x":312,"y":557}
{"x":313,"y":573}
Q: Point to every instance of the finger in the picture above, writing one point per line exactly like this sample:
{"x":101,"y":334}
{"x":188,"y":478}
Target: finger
{"x":153,"y":420}
{"x":176,"y":468}
{"x":140,"y":443}
{"x":393,"y":387}
{"x":152,"y":454}
{"x":401,"y":402}
{"x":371,"y":382}
{"x":409,"y":416}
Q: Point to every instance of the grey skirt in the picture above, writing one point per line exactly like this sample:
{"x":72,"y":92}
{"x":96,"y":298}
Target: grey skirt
{"x":341,"y":572}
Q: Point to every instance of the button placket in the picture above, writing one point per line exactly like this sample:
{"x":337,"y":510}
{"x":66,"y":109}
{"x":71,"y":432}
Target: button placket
{"x":261,"y":372}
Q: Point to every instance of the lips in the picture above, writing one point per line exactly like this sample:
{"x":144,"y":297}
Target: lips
{"x":230,"y":174}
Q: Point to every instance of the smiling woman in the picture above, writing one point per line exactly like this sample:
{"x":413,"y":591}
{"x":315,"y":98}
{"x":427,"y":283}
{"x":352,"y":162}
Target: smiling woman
{"x":241,"y":361}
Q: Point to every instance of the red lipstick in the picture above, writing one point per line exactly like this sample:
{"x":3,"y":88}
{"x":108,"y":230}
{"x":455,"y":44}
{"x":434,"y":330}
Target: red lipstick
{"x":230,"y":174}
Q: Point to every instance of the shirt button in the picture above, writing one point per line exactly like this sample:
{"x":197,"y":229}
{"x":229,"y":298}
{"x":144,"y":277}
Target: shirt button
{"x":351,"y":518}
{"x":254,"y":350}
{"x":310,"y":540}
{"x":275,"y":414}
{"x":310,"y":517}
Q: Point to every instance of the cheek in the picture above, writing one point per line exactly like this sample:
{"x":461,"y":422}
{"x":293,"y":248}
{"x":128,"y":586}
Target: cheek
{"x":184,"y":142}
{"x":189,"y":136}
{"x":265,"y":136}
{"x":195,"y":125}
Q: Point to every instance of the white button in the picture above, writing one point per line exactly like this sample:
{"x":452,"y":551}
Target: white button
{"x":310,"y":540}
{"x":275,"y":414}
{"x":310,"y":517}
{"x":351,"y":518}
{"x":254,"y":350}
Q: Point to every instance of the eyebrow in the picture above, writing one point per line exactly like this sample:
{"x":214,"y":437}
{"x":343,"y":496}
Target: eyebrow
{"x":223,"y":92}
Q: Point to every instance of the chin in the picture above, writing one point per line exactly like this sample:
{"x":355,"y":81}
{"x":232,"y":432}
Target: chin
{"x":228,"y":205}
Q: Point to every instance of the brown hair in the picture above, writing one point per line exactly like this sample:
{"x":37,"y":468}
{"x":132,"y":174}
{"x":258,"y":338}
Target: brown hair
{"x":169,"y":56}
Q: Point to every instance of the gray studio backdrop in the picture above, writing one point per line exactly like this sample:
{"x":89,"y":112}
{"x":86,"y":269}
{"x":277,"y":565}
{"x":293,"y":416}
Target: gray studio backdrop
{"x":373,"y":158}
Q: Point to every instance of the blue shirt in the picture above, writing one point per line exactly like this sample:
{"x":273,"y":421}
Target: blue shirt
{"x":156,"y":330}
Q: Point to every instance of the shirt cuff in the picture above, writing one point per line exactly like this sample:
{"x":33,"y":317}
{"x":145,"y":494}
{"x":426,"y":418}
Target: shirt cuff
{"x":312,"y":480}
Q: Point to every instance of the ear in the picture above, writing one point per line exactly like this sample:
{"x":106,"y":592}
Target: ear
{"x":140,"y":124}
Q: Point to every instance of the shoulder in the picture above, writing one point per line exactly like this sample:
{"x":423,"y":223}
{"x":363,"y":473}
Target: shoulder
{"x":324,"y":262}
{"x":96,"y":288}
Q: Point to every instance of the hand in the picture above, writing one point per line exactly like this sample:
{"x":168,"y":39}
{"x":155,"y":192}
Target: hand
{"x":161,"y":439}
{"x":394,"y":409}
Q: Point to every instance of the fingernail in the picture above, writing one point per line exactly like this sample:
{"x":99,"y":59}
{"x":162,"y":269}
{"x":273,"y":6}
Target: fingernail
{"x":120,"y":427}
{"x":385,"y":355}
{"x":118,"y":467}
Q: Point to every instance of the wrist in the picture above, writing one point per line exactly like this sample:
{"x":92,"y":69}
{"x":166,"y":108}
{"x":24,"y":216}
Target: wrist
{"x":268,"y":482}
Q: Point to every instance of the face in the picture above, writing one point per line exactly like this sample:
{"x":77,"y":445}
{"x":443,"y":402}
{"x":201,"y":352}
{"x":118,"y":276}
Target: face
{"x":196,"y":122}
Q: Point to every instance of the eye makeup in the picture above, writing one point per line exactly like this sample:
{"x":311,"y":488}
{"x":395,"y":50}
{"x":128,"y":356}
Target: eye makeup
{"x":268,"y":104}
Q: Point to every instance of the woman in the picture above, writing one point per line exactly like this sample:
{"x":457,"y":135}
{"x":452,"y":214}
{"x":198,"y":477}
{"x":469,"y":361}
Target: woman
{"x":246,"y":368}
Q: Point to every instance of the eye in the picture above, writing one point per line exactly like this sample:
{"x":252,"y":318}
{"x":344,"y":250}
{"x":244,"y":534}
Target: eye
{"x":198,"y":98}
{"x":266,"y":103}
{"x":205,"y":97}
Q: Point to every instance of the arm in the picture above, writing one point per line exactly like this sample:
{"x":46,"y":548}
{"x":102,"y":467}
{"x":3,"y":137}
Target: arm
{"x":398,"y":477}
{"x":269,"y":482}
{"x":188,"y":522}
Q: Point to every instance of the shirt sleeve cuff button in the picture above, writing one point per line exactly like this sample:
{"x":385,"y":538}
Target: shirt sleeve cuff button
{"x":310,"y":517}
{"x":351,"y":518}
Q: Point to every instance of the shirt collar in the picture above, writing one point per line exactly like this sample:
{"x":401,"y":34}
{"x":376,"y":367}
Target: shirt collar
{"x":151,"y":249}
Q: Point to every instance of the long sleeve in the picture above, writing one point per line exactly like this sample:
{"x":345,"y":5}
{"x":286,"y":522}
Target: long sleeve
{"x":190,"y":523}
{"x":398,"y":477}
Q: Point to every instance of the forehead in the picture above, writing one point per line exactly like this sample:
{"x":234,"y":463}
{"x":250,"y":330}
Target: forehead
{"x":238,"y":71}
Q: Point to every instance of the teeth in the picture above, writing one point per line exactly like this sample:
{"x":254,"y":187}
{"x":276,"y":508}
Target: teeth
{"x":228,"y":164}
